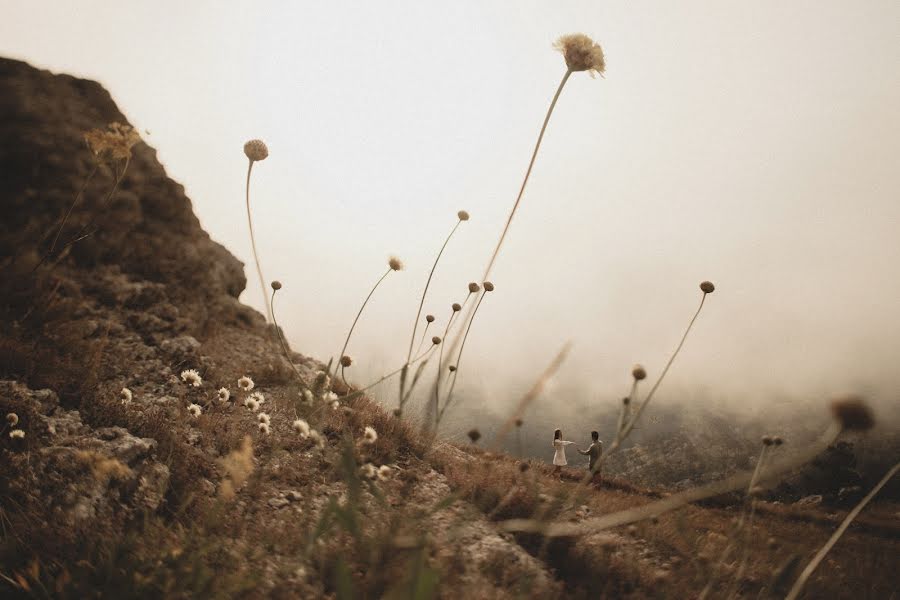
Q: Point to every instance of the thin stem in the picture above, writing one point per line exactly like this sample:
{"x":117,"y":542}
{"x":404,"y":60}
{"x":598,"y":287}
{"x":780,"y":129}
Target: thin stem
{"x":801,"y":581}
{"x":262,"y":281}
{"x":284,"y":347}
{"x":534,"y":154}
{"x":459,"y":357}
{"x":65,"y":218}
{"x":361,"y":308}
{"x":359,"y":392}
{"x":422,"y":339}
{"x":412,"y":338}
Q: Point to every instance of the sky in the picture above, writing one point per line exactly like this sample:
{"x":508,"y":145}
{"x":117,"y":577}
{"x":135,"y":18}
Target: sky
{"x":754,"y":144}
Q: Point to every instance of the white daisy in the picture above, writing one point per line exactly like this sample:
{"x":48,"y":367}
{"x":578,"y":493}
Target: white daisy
{"x":264,"y":428}
{"x":370,"y":436}
{"x":331,"y":397}
{"x":245,"y":383}
{"x":192,"y":377}
{"x":194,"y":410}
{"x":251,"y":404}
{"x":17,"y":434}
{"x":258,"y":397}
{"x":384,"y":472}
{"x":126,"y":396}
{"x":301,"y":427}
{"x":263,"y":418}
{"x":224,"y":395}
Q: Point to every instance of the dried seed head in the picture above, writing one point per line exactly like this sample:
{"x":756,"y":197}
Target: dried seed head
{"x":346,"y":361}
{"x":395,"y":263}
{"x":429,"y":318}
{"x":707,"y":287}
{"x":256,"y":150}
{"x":638,"y":372}
{"x":767,"y":440}
{"x":777,"y":441}
{"x":581,"y":53}
{"x":452,"y":368}
{"x":456,"y":307}
{"x":626,"y":401}
{"x":523,"y":466}
{"x":463,"y":215}
{"x":518,"y":422}
{"x":397,"y":412}
{"x":12,"y":419}
{"x":276,"y":285}
{"x":115,"y":141}
{"x":853,"y":413}
{"x":474,"y":288}
{"x":488,"y":286}
{"x":474,"y":435}
{"x":435,"y":340}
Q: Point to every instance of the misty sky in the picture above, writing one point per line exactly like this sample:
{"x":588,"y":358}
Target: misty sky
{"x":754,"y":144}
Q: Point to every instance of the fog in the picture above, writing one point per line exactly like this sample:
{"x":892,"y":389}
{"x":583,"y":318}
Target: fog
{"x":752,"y":144}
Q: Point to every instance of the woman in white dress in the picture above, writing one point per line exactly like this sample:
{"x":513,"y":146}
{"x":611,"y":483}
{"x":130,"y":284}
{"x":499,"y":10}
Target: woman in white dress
{"x":559,"y":444}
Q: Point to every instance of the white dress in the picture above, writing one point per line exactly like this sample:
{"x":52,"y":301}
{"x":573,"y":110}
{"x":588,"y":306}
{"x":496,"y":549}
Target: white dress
{"x":559,"y":458}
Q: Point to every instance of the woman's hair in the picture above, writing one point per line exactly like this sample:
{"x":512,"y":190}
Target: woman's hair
{"x":557,"y":435}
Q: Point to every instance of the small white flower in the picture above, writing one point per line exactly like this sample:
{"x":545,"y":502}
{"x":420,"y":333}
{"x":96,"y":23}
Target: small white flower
{"x":251,"y":404}
{"x":224,"y":395}
{"x":264,"y":428}
{"x":126,"y":396}
{"x":192,"y":377}
{"x":12,"y":419}
{"x":194,"y":410}
{"x":245,"y":383}
{"x":317,"y":437}
{"x":263,"y":418}
{"x":370,"y":436}
{"x":368,"y":471}
{"x":335,"y":405}
{"x":17,"y":434}
{"x":331,"y":397}
{"x":384,"y":472}
{"x":307,"y":396}
{"x":301,"y":427}
{"x":258,"y":397}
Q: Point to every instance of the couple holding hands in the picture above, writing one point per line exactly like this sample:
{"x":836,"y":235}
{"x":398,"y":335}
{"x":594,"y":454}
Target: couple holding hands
{"x":594,"y":451}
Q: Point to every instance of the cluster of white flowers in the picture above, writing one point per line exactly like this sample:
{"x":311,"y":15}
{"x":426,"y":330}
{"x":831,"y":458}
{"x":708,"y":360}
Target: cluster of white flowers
{"x":192,"y":377}
{"x":126,"y":396}
{"x":224,"y":395}
{"x":370,"y":436}
{"x":194,"y":410}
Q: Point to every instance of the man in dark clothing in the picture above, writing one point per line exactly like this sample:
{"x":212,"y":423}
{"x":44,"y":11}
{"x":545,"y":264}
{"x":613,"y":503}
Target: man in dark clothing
{"x":595,"y":451}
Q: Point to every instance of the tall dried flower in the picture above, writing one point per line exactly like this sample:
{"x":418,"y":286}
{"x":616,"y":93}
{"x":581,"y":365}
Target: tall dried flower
{"x":394,"y":264}
{"x":256,"y":151}
{"x":581,"y":53}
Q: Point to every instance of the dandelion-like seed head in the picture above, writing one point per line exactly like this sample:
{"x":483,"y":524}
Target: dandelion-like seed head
{"x":853,"y":413}
{"x":474,"y":288}
{"x":581,"y":53}
{"x":126,"y":396}
{"x":370,"y":436}
{"x":707,"y":287}
{"x":474,"y":435}
{"x":346,"y":361}
{"x":436,"y":340}
{"x":456,"y":307}
{"x":194,"y":410}
{"x":395,"y":263}
{"x":12,"y":419}
{"x":192,"y":377}
{"x":256,"y":150}
{"x":263,"y":418}
{"x":429,"y":318}
{"x":301,"y":427}
{"x":638,"y":372}
{"x":488,"y":286}
{"x":276,"y":285}
{"x":17,"y":434}
{"x":115,"y":141}
{"x":263,"y":427}
{"x":463,"y":215}
{"x":245,"y":383}
{"x":224,"y":395}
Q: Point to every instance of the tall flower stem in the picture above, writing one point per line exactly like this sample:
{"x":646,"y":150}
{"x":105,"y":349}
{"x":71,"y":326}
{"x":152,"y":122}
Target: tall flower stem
{"x":361,"y":308}
{"x":65,"y":218}
{"x":462,"y":347}
{"x":412,"y":338}
{"x":436,"y":388}
{"x":262,"y":281}
{"x":361,"y":391}
{"x":284,"y":348}
{"x":804,"y":576}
